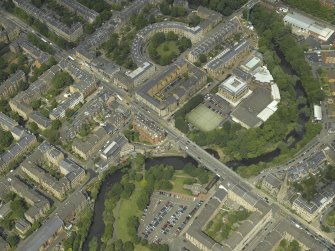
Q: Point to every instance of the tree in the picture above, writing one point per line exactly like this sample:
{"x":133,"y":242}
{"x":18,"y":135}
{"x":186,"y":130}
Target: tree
{"x":139,"y":161}
{"x":165,"y":185}
{"x":93,"y":245}
{"x":184,"y":43}
{"x":35,"y":104}
{"x":143,"y":200}
{"x":56,"y":124}
{"x":181,"y":124}
{"x":33,"y":127}
{"x":128,"y":189}
{"x":18,"y":207}
{"x":37,"y":3}
{"x":13,"y":240}
{"x":62,"y":79}
{"x":24,"y":85}
{"x":52,"y":135}
{"x":194,"y":20}
{"x":202,"y":58}
{"x":69,"y":113}
{"x":128,"y":246}
{"x":165,"y":8}
{"x":6,"y":139}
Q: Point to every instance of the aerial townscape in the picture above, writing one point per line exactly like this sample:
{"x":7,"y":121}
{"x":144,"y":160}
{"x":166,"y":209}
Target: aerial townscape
{"x":157,"y":125}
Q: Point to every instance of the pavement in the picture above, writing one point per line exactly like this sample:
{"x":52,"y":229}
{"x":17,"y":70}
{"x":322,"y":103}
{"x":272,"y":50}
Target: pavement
{"x":166,"y":217}
{"x":192,"y":149}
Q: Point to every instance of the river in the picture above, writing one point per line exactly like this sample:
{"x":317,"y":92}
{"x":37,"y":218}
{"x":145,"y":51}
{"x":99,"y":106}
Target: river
{"x":296,"y":136}
{"x":178,"y":163}
{"x":97,"y":227}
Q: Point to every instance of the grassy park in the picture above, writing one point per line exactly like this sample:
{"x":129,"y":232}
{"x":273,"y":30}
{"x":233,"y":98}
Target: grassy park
{"x":164,"y":48}
{"x":204,"y":118}
{"x":167,"y":48}
{"x":126,"y":209}
{"x":330,"y":220}
{"x":179,"y":179}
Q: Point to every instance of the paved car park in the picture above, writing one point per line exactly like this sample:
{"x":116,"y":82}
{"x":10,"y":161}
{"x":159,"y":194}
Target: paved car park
{"x":166,"y":216}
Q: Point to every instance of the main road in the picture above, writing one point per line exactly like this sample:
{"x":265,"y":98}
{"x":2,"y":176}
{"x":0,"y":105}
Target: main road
{"x":191,"y":148}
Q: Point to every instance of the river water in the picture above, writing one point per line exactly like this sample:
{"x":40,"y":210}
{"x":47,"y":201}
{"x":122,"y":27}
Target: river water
{"x":296,"y":136}
{"x":97,"y":228}
{"x":178,"y":163}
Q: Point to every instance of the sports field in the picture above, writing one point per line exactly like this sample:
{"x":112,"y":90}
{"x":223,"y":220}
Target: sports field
{"x":204,"y":118}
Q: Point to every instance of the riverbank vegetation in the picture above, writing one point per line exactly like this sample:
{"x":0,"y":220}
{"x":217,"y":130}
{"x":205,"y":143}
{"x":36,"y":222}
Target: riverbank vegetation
{"x":122,"y":200}
{"x":77,"y":237}
{"x":293,"y":115}
{"x":126,"y":200}
{"x":188,"y":176}
{"x":315,"y":8}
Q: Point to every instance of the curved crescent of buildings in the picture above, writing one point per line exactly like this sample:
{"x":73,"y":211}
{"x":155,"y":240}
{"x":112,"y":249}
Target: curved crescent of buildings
{"x":250,"y":90}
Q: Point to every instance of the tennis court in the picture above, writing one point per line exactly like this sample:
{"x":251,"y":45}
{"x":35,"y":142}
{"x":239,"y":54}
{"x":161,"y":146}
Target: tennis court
{"x":204,"y":118}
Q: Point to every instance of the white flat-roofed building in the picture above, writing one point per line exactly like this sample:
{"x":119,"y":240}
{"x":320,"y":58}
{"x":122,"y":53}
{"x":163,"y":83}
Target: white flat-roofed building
{"x":263,"y":75}
{"x":275,"y":93}
{"x":306,"y":24}
{"x":252,"y":64}
{"x":142,"y":73}
{"x":233,"y":88}
{"x":317,"y":113}
{"x":265,"y":114}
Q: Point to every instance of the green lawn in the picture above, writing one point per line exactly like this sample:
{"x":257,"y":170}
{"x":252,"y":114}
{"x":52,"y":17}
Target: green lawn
{"x":141,"y":248}
{"x":331,"y":218}
{"x":126,"y":209}
{"x":178,"y":182}
{"x":204,"y":118}
{"x":168,"y":47}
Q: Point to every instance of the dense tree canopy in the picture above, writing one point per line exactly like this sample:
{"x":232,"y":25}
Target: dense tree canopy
{"x":6,"y":139}
{"x":275,"y":35}
{"x":315,"y":8}
{"x":167,"y":8}
{"x":225,"y":7}
{"x":97,"y":5}
{"x":61,"y":80}
{"x":238,"y":143}
{"x":166,"y":47}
